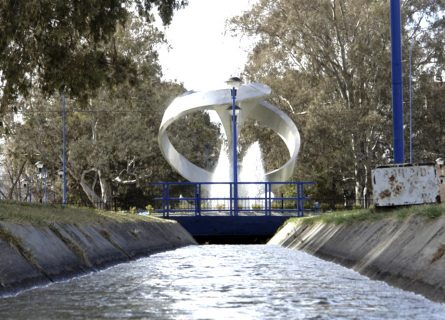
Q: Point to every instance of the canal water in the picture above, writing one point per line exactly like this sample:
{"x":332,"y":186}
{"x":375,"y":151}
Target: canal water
{"x":221,"y":282}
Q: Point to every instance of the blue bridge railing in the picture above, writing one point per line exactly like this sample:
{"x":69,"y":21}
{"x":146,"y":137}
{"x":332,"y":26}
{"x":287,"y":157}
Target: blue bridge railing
{"x":217,"y":198}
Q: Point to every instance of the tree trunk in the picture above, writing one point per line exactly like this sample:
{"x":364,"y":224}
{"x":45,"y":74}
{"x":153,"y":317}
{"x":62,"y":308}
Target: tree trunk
{"x":357,"y":188}
{"x":89,"y":191}
{"x":105,"y":186}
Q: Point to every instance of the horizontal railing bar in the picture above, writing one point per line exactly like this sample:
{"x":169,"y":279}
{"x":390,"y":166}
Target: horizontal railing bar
{"x":229,"y":183}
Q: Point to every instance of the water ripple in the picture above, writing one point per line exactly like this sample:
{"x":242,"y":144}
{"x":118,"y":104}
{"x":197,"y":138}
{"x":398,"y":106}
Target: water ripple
{"x":221,"y":282}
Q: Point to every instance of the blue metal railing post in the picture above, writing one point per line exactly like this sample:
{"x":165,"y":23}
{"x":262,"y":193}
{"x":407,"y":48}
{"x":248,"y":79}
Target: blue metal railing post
{"x":198,"y":199}
{"x":167,"y":200}
{"x":164,"y":199}
{"x":270,"y":199}
{"x":231,"y":198}
{"x":265,"y":199}
{"x":301,"y":199}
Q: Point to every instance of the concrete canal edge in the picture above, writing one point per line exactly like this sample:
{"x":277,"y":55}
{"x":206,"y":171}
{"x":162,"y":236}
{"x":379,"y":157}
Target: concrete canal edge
{"x":406,"y":253}
{"x":35,"y":254}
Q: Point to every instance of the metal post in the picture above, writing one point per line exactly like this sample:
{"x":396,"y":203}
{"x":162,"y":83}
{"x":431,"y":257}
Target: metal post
{"x":410,"y":103}
{"x":396,"y":75}
{"x":235,"y":156}
{"x":230,"y":200}
{"x":198,"y":199}
{"x":266,"y":197}
{"x":64,"y":201}
{"x":45,"y":185}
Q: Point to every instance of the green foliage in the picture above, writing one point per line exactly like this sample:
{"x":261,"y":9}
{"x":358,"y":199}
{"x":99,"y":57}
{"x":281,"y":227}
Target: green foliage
{"x":149,"y":208}
{"x":112,"y":138}
{"x":257,"y":206}
{"x":339,"y":207}
{"x":325,"y":207}
{"x":328,"y":64}
{"x":67,"y":45}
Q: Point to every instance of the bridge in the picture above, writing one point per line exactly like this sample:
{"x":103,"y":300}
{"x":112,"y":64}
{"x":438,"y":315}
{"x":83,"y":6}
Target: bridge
{"x":207,"y":210}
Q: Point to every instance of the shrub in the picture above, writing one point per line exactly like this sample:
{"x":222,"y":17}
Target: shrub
{"x":276,"y":204}
{"x":257,"y":206}
{"x":308,"y":205}
{"x":339,"y":207}
{"x":149,"y":208}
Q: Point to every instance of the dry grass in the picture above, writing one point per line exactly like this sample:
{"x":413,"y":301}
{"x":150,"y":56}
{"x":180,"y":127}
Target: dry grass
{"x":39,"y":214}
{"x":431,"y":211}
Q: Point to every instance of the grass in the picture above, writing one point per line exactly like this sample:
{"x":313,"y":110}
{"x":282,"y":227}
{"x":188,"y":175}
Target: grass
{"x":431,"y":211}
{"x":40,"y":214}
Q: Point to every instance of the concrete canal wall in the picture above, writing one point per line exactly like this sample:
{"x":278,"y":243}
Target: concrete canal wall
{"x":407,"y":253}
{"x":32,"y":255}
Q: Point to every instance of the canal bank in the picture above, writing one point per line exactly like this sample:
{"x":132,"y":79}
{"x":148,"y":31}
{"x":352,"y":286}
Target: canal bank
{"x":404,"y":249}
{"x":40,"y":244}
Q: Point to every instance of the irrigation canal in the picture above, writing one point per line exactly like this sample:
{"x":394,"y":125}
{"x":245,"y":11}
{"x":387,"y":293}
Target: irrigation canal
{"x":221,"y":282}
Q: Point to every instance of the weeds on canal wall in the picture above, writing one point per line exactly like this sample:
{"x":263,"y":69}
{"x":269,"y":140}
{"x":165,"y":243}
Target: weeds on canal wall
{"x":432,"y":211}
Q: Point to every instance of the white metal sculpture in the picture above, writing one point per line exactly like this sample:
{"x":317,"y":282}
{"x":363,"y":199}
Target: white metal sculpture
{"x":250,"y":99}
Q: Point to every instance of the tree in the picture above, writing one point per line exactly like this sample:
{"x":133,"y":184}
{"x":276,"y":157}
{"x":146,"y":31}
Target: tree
{"x":328,"y":65}
{"x":67,"y":46}
{"x":113,"y":148}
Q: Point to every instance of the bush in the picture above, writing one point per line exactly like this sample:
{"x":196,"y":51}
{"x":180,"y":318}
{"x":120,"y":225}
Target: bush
{"x":149,"y":209}
{"x":276,"y":204}
{"x":325,"y":207}
{"x":289,"y":204}
{"x":257,"y":206}
{"x":339,"y":207}
{"x":308,"y":205}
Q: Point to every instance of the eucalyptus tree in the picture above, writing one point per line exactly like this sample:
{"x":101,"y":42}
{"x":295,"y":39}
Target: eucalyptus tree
{"x":61,"y":46}
{"x":328,"y":63}
{"x":112,"y":135}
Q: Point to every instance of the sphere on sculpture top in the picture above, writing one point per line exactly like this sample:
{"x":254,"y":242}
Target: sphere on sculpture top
{"x":251,"y":100}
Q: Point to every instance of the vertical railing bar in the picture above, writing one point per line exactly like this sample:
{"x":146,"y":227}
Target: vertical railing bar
{"x":168,"y":199}
{"x":231,"y":198}
{"x":265,"y":198}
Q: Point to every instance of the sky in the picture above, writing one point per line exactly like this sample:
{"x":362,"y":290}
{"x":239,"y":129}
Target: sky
{"x":203,"y":55}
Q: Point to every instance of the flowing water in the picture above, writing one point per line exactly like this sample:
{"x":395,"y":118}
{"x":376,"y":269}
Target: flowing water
{"x":221,"y":282}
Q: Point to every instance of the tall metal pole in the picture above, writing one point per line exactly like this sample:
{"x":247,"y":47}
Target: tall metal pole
{"x":235,"y":156}
{"x":410,"y":103}
{"x":64,"y":201}
{"x":397,"y":89}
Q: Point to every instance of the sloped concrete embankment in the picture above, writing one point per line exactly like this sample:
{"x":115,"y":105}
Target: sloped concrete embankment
{"x":32,"y":255}
{"x":405,"y":253}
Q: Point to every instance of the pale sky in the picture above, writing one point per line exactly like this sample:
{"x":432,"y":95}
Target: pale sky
{"x":203,"y":55}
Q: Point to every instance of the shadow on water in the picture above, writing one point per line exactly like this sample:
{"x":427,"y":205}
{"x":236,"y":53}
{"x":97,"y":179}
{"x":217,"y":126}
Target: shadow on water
{"x":232,"y":239}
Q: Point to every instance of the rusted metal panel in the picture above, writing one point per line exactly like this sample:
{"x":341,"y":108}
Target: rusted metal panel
{"x":398,"y":185}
